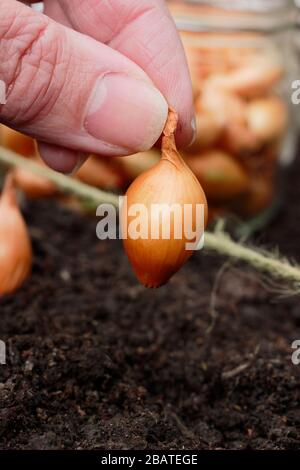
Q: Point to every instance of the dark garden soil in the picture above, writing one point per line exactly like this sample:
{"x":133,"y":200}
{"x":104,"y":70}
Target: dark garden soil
{"x":95,"y":361}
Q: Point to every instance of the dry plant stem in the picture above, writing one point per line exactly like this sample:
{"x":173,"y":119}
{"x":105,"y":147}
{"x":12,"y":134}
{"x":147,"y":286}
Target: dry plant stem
{"x":262,"y":261}
{"x":218,"y":241}
{"x":63,"y":182}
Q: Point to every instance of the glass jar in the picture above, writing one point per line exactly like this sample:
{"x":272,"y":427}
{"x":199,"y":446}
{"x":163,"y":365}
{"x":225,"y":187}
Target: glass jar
{"x":241,"y":64}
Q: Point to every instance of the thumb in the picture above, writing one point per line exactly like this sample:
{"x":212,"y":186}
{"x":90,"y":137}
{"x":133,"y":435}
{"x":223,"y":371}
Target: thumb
{"x":67,"y":89}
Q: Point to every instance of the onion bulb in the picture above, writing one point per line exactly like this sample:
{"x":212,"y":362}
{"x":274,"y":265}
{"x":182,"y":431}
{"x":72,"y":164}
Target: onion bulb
{"x":255,"y":78}
{"x":101,"y":173}
{"x":209,"y":129}
{"x":163,"y":245}
{"x":33,"y":185}
{"x":133,"y":165}
{"x":221,"y":176}
{"x":267,"y":118}
{"x":15,"y":245}
{"x":17,"y":142}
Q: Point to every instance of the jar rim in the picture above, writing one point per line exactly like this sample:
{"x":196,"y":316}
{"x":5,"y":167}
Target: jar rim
{"x":204,"y":15}
{"x":257,"y":6}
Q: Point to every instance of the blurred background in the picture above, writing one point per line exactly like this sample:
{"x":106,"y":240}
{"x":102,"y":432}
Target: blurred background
{"x":95,"y":360}
{"x":243,"y":61}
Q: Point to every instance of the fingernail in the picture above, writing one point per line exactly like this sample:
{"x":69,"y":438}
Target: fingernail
{"x":126,"y":112}
{"x":82,"y":157}
{"x":194,"y":127}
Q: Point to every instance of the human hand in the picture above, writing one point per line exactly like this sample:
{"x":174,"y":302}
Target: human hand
{"x":85,"y":78}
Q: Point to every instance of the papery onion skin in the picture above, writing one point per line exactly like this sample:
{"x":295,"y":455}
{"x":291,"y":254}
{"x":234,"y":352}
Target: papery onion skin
{"x":169,"y":182}
{"x":15,"y":245}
